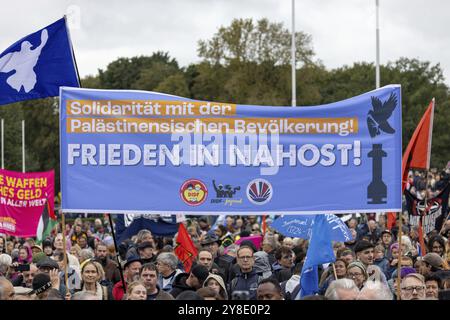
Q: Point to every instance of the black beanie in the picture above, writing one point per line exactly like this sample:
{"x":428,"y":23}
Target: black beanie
{"x":200,"y":272}
{"x":363,"y":245}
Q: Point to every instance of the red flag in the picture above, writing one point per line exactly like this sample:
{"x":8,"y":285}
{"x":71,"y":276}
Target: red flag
{"x":391,"y":218}
{"x":417,"y":154}
{"x":263,"y":224}
{"x":185,"y":249}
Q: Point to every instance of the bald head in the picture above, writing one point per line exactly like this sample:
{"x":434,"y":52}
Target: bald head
{"x":6,"y":289}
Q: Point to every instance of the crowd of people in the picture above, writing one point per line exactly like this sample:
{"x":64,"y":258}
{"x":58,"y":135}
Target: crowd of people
{"x":230,"y":264}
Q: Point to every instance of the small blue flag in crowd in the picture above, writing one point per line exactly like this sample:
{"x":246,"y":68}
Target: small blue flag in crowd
{"x":325,"y":229}
{"x":37,"y":65}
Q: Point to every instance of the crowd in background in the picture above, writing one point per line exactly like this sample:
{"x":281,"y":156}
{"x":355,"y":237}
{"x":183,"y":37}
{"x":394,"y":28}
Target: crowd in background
{"x":365,"y":268}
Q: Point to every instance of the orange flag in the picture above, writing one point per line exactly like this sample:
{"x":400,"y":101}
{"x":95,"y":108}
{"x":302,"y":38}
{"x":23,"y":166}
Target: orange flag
{"x":417,"y":155}
{"x":185,"y":249}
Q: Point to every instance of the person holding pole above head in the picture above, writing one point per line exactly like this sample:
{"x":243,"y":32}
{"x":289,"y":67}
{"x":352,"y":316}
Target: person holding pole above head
{"x":340,"y":265}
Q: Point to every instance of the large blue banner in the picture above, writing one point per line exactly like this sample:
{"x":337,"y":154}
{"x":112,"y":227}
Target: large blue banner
{"x":125,"y":151}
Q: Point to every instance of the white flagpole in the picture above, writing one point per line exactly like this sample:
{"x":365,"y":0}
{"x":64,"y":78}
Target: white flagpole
{"x":3,"y":146}
{"x":294,"y":94}
{"x":377,"y":67}
{"x":23,"y":146}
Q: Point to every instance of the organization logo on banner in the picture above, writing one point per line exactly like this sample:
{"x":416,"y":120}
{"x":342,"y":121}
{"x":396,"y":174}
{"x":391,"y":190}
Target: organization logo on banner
{"x":259,"y":191}
{"x":193,"y":192}
{"x":225,"y":194}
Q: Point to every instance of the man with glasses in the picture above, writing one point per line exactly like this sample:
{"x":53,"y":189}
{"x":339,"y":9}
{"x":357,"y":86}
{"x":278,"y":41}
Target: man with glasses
{"x":413,"y":287}
{"x":247,"y":279}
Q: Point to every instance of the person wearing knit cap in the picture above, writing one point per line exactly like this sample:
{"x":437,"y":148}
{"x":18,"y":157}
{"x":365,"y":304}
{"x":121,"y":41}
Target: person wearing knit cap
{"x":190,"y":281}
{"x":358,"y":273}
{"x":42,"y":286}
{"x":364,"y":252}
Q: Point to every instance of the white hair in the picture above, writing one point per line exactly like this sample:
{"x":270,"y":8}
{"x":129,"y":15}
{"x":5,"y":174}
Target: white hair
{"x":86,"y":254}
{"x":407,"y":242}
{"x":376,"y":290}
{"x":5,"y":263}
{"x":346,"y":284}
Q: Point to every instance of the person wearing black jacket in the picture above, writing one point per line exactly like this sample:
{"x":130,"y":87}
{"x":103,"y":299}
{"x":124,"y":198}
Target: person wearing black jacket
{"x":191,"y":281}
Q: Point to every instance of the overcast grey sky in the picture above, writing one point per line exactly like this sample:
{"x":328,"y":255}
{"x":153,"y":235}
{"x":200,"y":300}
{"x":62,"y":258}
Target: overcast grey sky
{"x":343,"y":32}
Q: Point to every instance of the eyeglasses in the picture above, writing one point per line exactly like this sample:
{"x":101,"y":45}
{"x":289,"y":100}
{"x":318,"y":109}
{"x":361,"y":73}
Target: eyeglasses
{"x":354,"y":275}
{"x":411,"y":289}
{"x":245,"y":258}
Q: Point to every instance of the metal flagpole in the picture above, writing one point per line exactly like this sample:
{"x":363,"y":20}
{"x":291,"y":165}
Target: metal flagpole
{"x":3,"y":145}
{"x":23,"y":146}
{"x":294,"y":94}
{"x":117,"y":252}
{"x":377,"y":67}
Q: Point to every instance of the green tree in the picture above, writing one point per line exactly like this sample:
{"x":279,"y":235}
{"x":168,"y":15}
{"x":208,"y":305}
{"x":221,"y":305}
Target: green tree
{"x":126,"y":73}
{"x":247,"y":41}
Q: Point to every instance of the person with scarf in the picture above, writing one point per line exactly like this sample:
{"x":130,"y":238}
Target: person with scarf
{"x":91,"y":276}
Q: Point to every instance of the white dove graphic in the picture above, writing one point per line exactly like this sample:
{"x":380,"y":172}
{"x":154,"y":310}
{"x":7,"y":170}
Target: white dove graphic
{"x":23,"y":62}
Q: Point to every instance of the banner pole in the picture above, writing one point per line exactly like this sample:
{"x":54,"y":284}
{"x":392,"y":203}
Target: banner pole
{"x":294,"y":93}
{"x":64,"y":251}
{"x":334,"y":270}
{"x":3,"y":146}
{"x":377,"y":64}
{"x":399,"y":263}
{"x":117,"y":251}
{"x":23,"y":146}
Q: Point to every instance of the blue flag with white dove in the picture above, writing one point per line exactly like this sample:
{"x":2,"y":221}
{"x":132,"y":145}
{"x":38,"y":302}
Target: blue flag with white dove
{"x":37,"y":65}
{"x":325,"y":229}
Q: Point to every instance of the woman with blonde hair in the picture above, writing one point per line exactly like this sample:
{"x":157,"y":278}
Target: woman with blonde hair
{"x":136,"y":291}
{"x":91,"y":275}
